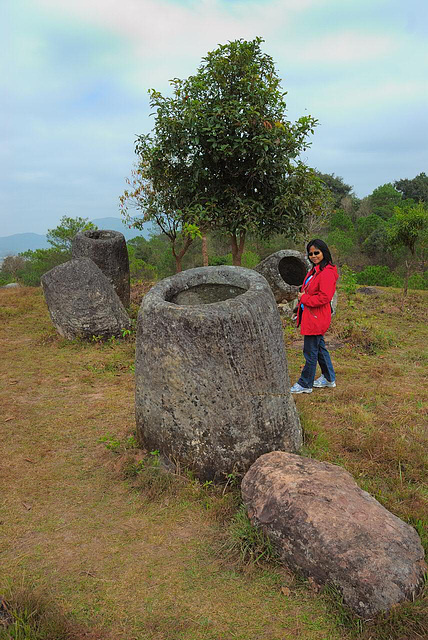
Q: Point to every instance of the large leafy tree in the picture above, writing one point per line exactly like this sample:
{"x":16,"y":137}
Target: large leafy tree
{"x":223,"y":155}
{"x":409,"y":228}
{"x":383,"y":200}
{"x":416,"y":189}
{"x":337,"y":187}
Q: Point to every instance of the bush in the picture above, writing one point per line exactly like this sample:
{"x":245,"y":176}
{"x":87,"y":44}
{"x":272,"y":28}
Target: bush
{"x":379,"y":275}
{"x":5,"y":278}
{"x":39,"y":262}
{"x":419,"y":281}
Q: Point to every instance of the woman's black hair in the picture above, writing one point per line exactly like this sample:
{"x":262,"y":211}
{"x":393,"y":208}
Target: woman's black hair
{"x":321,"y":245}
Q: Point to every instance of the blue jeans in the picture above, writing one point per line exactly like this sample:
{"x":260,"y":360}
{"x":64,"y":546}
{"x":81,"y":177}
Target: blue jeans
{"x":315,"y":351}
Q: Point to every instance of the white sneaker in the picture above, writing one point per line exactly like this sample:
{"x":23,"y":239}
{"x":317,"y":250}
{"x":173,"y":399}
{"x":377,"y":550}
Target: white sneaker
{"x":322,"y":382}
{"x":297,"y":388}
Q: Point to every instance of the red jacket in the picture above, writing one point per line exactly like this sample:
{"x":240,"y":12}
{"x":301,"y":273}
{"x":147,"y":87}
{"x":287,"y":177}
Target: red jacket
{"x":315,"y":317}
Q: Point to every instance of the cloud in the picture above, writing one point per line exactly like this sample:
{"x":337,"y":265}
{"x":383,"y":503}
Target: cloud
{"x":348,"y":47}
{"x":76,"y":73}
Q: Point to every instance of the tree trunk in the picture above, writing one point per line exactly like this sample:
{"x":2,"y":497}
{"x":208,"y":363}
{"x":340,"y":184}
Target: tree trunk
{"x":178,"y":256}
{"x":237,"y":249}
{"x":204,"y":250}
{"x":406,"y":278}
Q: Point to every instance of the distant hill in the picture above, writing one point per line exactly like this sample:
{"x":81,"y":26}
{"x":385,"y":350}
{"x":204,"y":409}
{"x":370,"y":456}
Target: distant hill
{"x":11,"y":245}
{"x":19,"y":242}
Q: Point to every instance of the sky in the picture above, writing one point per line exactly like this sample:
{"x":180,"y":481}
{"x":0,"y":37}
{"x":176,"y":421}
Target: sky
{"x":75,"y":74}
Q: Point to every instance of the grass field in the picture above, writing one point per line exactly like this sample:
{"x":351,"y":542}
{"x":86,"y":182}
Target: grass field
{"x":90,"y":548}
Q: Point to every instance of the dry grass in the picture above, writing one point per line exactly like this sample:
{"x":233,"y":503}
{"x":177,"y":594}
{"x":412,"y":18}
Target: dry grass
{"x":136,"y":567}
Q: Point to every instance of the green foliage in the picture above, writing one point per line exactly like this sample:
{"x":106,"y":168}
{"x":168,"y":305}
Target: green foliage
{"x":151,"y":477}
{"x":416,"y":189}
{"x":419,"y":281}
{"x":378,"y":275}
{"x":139,"y":269}
{"x":29,"y":266}
{"x":376,"y":245}
{"x":247,"y":541}
{"x":39,"y":262}
{"x":383,"y":200}
{"x":348,"y":283}
{"x":5,"y":278}
{"x":28,"y":613}
{"x":341,"y":220}
{"x":409,"y":226}
{"x":341,"y":244}
{"x":366,"y":225}
{"x":337,"y":187}
{"x":61,"y":237}
{"x":223,"y":155}
{"x":111,"y":443}
{"x":249,"y":259}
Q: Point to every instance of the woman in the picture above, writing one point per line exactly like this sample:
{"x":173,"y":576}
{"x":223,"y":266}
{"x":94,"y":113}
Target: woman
{"x":314,"y":317}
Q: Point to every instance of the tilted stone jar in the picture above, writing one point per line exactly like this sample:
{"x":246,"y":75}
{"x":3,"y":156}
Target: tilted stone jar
{"x":108,"y":250}
{"x":285,"y":271}
{"x":212,"y":385}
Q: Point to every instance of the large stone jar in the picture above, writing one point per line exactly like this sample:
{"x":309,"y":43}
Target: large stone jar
{"x":82,"y":302}
{"x":285,"y":271}
{"x":212,"y":386}
{"x":108,"y":250}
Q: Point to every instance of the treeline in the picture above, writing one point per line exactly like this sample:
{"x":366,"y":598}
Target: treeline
{"x":360,"y":233}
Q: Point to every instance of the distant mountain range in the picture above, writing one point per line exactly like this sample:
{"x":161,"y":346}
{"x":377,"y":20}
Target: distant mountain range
{"x":19,"y":242}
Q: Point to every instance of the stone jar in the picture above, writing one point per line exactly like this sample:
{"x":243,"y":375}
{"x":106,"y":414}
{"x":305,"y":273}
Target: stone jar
{"x":108,"y":250}
{"x":285,"y":271}
{"x":82,"y":302}
{"x":212,"y":386}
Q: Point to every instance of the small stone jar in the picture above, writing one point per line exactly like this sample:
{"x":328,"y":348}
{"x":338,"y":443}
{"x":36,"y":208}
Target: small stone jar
{"x":108,"y":250}
{"x":285,"y":271}
{"x":212,"y":386}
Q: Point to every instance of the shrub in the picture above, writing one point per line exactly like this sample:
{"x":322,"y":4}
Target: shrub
{"x":378,"y":275}
{"x":39,"y":262}
{"x":419,"y":281}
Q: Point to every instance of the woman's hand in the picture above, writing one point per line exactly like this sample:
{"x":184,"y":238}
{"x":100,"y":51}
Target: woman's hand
{"x":299,"y":295}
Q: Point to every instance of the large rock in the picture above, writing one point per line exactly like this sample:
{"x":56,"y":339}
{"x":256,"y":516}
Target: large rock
{"x":212,"y":387}
{"x":285,"y":271}
{"x":81,"y":301}
{"x":108,"y":250}
{"x":329,"y":529}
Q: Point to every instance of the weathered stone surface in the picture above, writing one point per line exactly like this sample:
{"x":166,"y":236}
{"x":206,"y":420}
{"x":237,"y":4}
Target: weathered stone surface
{"x":329,"y":529}
{"x":108,"y":250}
{"x":285,"y":271}
{"x":82,"y":302}
{"x":212,"y":386}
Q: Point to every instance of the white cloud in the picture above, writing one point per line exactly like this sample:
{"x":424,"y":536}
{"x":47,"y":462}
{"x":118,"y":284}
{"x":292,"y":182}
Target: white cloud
{"x":348,"y":47}
{"x":165,"y":30}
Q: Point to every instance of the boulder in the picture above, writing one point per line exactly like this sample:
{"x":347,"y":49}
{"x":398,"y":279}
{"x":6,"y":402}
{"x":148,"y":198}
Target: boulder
{"x":328,"y":529}
{"x":81,"y":301}
{"x":285,"y":271}
{"x":212,"y":386}
{"x":108,"y":250}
